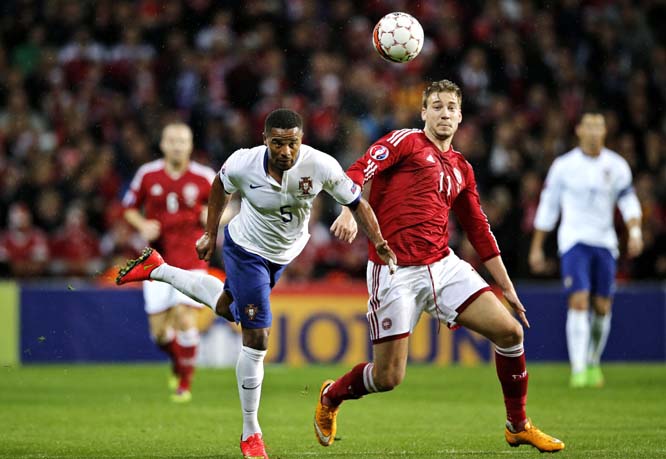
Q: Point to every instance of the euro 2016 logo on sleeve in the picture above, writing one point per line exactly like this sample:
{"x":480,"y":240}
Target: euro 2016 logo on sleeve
{"x":379,"y":152}
{"x":251,"y":311}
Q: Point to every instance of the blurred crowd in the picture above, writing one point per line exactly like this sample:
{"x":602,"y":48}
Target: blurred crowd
{"x":86,"y":86}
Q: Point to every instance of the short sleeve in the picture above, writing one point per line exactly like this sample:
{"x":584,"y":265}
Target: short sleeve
{"x":229,"y":172}
{"x":337,"y":183}
{"x":135,"y":195}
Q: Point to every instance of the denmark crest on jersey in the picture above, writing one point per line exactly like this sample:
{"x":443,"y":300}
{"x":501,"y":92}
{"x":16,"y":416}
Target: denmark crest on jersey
{"x":190,"y":193}
{"x":305,"y":186}
{"x":156,"y":190}
{"x":379,"y":152}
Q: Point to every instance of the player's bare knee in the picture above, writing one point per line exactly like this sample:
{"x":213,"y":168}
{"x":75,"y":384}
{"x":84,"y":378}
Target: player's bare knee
{"x":161,"y":336}
{"x":510,"y":335}
{"x":256,"y":338}
{"x":602,"y":305}
{"x":579,"y":301}
{"x":388,"y":380}
{"x":186,"y":318}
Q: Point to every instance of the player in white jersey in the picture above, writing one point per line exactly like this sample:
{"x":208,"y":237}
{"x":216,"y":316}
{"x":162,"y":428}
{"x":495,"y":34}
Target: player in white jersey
{"x":277,"y":182}
{"x":584,"y":186}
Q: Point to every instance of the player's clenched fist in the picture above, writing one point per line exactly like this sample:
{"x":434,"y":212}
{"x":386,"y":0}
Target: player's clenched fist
{"x":205,"y":247}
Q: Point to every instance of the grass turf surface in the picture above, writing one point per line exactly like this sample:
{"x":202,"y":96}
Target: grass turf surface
{"x":123,"y":411}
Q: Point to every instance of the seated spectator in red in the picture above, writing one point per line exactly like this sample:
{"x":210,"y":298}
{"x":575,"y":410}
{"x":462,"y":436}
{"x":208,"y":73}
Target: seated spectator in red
{"x":75,"y":247}
{"x":24,"y":250}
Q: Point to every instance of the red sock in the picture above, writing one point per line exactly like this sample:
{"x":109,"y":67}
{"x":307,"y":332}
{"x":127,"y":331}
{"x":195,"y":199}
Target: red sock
{"x":512,"y":374}
{"x":170,"y":350}
{"x":348,"y":386}
{"x":186,"y":350}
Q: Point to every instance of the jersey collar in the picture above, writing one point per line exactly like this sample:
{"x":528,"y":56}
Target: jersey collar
{"x":266,"y":161}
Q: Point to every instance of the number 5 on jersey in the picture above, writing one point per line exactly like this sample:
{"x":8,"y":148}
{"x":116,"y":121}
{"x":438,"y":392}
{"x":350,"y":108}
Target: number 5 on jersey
{"x":285,"y":212}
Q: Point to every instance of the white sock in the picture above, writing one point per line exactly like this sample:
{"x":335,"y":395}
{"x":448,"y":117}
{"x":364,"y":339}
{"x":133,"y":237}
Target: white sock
{"x":578,"y":337}
{"x":249,"y":375}
{"x":598,"y":337}
{"x":201,"y":287}
{"x":189,"y":337}
{"x":368,"y":379}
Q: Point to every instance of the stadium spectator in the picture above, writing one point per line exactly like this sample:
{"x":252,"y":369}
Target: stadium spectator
{"x":98,"y":69}
{"x":166,"y":203}
{"x":24,"y":249}
{"x":75,"y":247}
{"x":584,"y":186}
{"x":415,"y":178}
{"x":277,"y":183}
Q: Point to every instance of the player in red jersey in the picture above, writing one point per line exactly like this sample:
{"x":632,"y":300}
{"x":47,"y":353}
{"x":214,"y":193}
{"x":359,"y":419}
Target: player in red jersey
{"x":167,"y":203}
{"x":417,"y":178}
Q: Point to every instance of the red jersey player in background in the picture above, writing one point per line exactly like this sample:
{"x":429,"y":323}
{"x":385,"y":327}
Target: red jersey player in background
{"x":167,"y":203}
{"x":417,"y":178}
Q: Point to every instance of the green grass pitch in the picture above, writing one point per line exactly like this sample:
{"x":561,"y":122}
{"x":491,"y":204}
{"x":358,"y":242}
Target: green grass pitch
{"x":123,"y":411}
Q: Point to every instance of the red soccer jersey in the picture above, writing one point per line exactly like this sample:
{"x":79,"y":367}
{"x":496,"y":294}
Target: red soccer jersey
{"x":31,"y":245}
{"x":414,"y":185}
{"x":177,"y":203}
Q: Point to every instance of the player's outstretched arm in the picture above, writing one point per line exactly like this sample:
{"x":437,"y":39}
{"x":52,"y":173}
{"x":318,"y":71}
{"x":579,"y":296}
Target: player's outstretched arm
{"x":217,"y":202}
{"x":367,"y":220}
{"x":497,"y":269}
{"x":344,"y":227}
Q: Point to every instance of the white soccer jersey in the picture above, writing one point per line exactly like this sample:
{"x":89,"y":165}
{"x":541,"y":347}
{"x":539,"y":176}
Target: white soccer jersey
{"x":585,"y":190}
{"x":273,"y":218}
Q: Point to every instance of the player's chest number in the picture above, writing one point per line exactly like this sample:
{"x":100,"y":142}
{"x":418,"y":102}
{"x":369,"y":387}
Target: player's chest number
{"x":448,"y":183}
{"x":172,"y":202}
{"x":285,"y":214}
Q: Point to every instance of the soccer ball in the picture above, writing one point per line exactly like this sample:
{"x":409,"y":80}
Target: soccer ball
{"x":398,"y":37}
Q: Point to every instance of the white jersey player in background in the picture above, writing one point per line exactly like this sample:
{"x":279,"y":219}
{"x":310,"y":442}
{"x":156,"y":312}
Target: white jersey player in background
{"x":277,"y":182}
{"x":584,"y":186}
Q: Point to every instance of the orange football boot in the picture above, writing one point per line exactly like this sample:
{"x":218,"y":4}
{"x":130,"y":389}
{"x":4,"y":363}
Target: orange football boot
{"x":533,"y":436}
{"x":325,"y":423}
{"x":140,"y":268}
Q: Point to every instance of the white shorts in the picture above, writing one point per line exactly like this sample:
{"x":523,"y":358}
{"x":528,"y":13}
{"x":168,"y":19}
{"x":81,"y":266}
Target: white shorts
{"x":442,"y":289}
{"x":160,"y":296}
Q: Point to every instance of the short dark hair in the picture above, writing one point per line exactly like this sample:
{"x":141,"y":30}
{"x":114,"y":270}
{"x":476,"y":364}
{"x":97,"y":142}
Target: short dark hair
{"x":283,"y":118}
{"x":441,"y":86}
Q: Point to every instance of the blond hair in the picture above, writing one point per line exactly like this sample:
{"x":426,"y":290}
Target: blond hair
{"x":441,"y":86}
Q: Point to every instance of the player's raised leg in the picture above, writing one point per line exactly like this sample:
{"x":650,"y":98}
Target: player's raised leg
{"x":150,"y":265}
{"x":487,"y":316}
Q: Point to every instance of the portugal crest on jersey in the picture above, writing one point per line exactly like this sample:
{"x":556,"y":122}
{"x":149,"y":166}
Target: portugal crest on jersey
{"x":305,"y":186}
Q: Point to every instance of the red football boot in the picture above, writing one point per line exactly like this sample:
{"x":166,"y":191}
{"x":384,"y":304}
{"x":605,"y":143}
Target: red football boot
{"x":253,"y":447}
{"x":140,"y":268}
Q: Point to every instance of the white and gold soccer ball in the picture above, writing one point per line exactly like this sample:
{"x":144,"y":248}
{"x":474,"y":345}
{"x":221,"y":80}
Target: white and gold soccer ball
{"x":398,"y":37}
